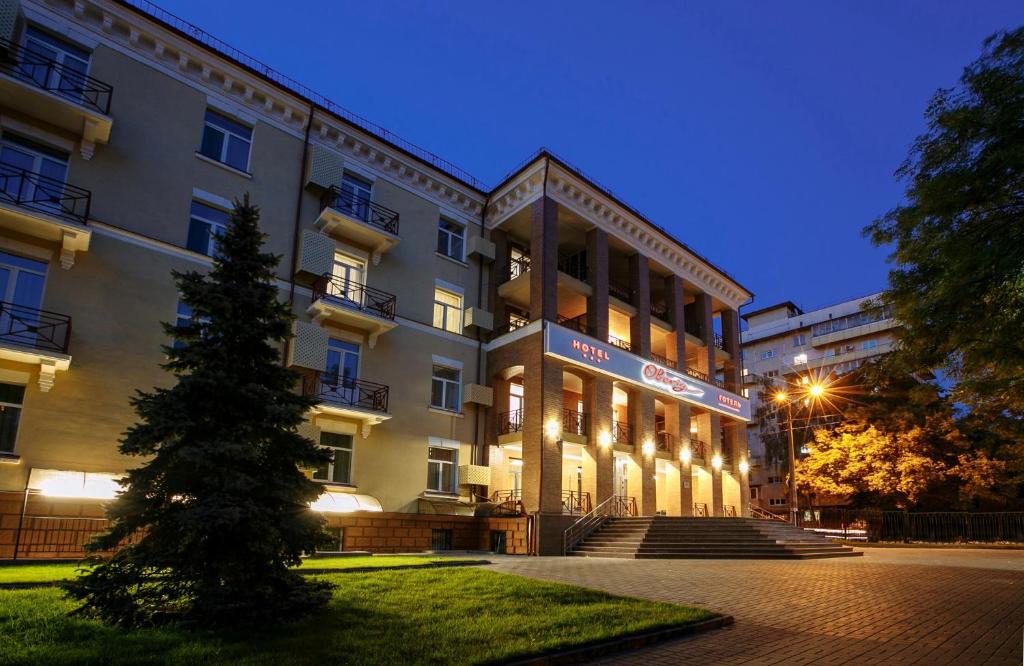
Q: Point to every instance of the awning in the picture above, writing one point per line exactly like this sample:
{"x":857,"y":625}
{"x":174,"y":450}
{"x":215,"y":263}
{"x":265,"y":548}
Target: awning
{"x":330,"y":502}
{"x":79,"y":485}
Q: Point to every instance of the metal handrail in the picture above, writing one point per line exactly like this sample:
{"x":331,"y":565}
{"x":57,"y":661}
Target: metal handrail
{"x":761,"y":514}
{"x":578,"y":324}
{"x":574,"y":265}
{"x":361,"y":208}
{"x":575,"y":422}
{"x":593,"y":519}
{"x":622,"y":432}
{"x":51,"y":76}
{"x":509,"y":422}
{"x":667,"y":362}
{"x":33,"y":328}
{"x":518,"y":266}
{"x":665,"y":441}
{"x":624,"y":345}
{"x":718,"y":341}
{"x":575,"y":502}
{"x":348,"y":392}
{"x":659,"y":310}
{"x":515,"y":322}
{"x":44,"y":194}
{"x":729,"y":510}
{"x":354,"y":295}
{"x":623,"y":292}
{"x":698,"y":449}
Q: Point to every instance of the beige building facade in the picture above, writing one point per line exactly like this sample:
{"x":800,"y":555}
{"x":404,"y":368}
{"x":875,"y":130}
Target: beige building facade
{"x":782,"y":346}
{"x":481,"y":354}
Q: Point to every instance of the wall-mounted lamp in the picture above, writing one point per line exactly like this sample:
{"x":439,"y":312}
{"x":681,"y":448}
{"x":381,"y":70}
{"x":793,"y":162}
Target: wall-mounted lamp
{"x":553,"y":429}
{"x":716,"y":461}
{"x":648,"y":448}
{"x":744,"y":467}
{"x":684,"y":455}
{"x":604,"y":439}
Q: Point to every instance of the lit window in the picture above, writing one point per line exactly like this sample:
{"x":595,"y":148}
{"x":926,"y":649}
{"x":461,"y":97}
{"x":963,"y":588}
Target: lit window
{"x":339,"y":469}
{"x":447,"y":311}
{"x":226,"y":141}
{"x":451,"y":239}
{"x":444,"y":388}
{"x":441,"y":469}
{"x":11,"y":396}
{"x":800,"y":359}
{"x":204,"y":225}
{"x":799,"y":340}
{"x":767,"y":354}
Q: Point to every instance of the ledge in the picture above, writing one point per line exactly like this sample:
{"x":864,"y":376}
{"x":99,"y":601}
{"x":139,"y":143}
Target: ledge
{"x":226,"y":167}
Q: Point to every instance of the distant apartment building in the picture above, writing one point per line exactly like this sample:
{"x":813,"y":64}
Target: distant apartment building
{"x":490,"y":362}
{"x":783,"y":344}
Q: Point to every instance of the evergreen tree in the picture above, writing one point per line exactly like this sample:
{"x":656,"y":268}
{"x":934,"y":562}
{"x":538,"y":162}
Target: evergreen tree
{"x":205,"y":531}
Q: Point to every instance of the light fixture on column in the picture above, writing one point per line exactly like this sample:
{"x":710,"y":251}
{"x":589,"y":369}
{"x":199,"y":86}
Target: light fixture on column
{"x":648,"y":448}
{"x":604,"y":439}
{"x":693,"y":428}
{"x":553,"y":429}
{"x":684,"y":455}
{"x":744,"y":467}
{"x":716,"y":461}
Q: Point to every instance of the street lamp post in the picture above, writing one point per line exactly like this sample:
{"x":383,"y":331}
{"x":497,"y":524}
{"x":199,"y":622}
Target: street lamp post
{"x":793,"y":508}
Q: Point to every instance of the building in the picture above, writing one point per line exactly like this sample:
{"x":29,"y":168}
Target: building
{"x":492,"y":362}
{"x":783,"y":344}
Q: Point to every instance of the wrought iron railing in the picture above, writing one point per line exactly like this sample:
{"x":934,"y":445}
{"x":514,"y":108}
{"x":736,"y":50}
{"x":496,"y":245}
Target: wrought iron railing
{"x":574,"y":265}
{"x":659,"y":309}
{"x":624,"y":345}
{"x":622,"y":433}
{"x":361,"y":208}
{"x":576,"y":502}
{"x":697,"y":374}
{"x":51,"y":76}
{"x":353,"y":295}
{"x":698,"y":449}
{"x":614,"y":506}
{"x":621,"y":291}
{"x":509,"y":422}
{"x":700,"y":509}
{"x":575,"y":422}
{"x":662,"y":360}
{"x":344,"y":392}
{"x":624,"y":506}
{"x":665,"y":441}
{"x":509,"y":502}
{"x":578,"y":324}
{"x":43,"y":194}
{"x":729,"y":510}
{"x":518,"y":266}
{"x":514,"y":323}
{"x":760,"y":514}
{"x":33,"y":328}
{"x":718,"y":341}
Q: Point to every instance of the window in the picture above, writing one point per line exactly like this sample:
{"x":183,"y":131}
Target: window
{"x":777,"y":501}
{"x":441,"y":469}
{"x":11,"y":396}
{"x":799,"y":340}
{"x":183,"y":317}
{"x":41,"y":191}
{"x":800,"y":359}
{"x":767,"y":354}
{"x":68,"y":78}
{"x":339,"y":469}
{"x":755,"y":492}
{"x":342,"y":362}
{"x":204,"y":225}
{"x":451,"y":238}
{"x":355,"y":197}
{"x":775,"y":479}
{"x":349,"y":275}
{"x":447,"y":310}
{"x":771,"y":373}
{"x":869,"y":344}
{"x":444,"y":389}
{"x":226,"y":141}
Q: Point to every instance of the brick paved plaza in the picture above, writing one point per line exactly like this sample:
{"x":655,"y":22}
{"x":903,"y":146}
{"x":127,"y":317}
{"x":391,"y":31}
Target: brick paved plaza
{"x":892,"y":606}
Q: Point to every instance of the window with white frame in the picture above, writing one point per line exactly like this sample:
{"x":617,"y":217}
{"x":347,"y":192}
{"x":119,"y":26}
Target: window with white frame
{"x":11,"y":397}
{"x":755,"y":492}
{"x":339,"y":469}
{"x":444,"y":388}
{"x":204,"y":225}
{"x":441,"y":468}
{"x":67,"y":79}
{"x":447,"y":310}
{"x":451,"y":239}
{"x":767,"y":354}
{"x":227,"y":141}
{"x":33,"y":174}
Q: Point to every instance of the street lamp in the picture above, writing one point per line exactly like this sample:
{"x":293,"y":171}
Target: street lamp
{"x":813,"y":391}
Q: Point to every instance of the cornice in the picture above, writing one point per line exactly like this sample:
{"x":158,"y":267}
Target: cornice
{"x":123,"y":29}
{"x":515,"y":194}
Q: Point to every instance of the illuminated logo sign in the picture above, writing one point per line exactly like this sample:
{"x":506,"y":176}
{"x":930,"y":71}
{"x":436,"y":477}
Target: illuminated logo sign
{"x":658,"y":376}
{"x":589,"y":352}
{"x":732,"y":404}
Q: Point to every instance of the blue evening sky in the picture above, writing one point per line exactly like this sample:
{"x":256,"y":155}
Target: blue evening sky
{"x":763,"y":134}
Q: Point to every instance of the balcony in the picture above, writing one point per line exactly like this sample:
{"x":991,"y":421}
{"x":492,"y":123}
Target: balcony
{"x":622,"y":433}
{"x":698,"y":449}
{"x":624,"y":345}
{"x":57,"y":95}
{"x":621,"y":291}
{"x":516,"y":321}
{"x":575,"y":423}
{"x":514,"y":286}
{"x":665,"y":442}
{"x":45,"y":208}
{"x":660,"y":310}
{"x":510,"y":422}
{"x":352,"y":399}
{"x":35,"y":337}
{"x":352,"y":304}
{"x":354,"y":218}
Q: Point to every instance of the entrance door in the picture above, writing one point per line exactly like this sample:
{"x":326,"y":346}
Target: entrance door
{"x":620,"y":478}
{"x":515,"y":476}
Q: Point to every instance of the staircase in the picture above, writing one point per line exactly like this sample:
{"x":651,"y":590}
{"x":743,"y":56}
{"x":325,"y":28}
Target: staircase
{"x":662,"y":537}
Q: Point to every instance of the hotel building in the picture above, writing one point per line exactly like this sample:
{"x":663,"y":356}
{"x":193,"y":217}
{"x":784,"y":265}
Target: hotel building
{"x":782,"y":345}
{"x":491,"y":362}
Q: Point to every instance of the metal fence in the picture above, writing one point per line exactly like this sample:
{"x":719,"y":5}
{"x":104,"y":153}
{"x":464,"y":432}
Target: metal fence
{"x":908,"y":526}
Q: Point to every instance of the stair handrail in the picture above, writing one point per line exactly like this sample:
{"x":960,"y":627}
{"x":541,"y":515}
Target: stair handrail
{"x":587,"y":523}
{"x":761,"y":514}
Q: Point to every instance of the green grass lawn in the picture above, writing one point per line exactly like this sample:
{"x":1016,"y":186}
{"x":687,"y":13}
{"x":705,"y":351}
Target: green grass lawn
{"x":434,"y":616}
{"x":48,"y":573}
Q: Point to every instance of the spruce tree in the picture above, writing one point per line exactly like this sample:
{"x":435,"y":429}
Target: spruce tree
{"x":206,"y":529}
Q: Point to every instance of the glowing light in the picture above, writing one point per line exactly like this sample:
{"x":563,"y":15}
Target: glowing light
{"x":816,"y":390}
{"x":684,"y":455}
{"x":716,"y":461}
{"x":604,"y":440}
{"x":781,"y":396}
{"x":744,"y":467}
{"x":515,"y":462}
{"x":553,"y":429}
{"x":345,"y":503}
{"x":648,"y":447}
{"x":79,"y":485}
{"x":693,"y":428}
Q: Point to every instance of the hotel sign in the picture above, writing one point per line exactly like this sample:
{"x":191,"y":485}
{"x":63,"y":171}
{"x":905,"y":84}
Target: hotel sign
{"x":586,"y":351}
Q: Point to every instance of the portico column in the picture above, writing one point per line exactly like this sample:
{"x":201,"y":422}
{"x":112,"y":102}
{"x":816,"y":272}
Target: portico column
{"x":499,"y":274}
{"x":676,"y":298}
{"x":641,"y":407}
{"x":677,"y":423}
{"x":706,"y":361}
{"x":597,"y":400}
{"x":640,"y":323}
{"x":731,"y":337}
{"x":597,"y":269}
{"x":736,"y":439}
{"x":542,"y":452}
{"x":544,"y":259}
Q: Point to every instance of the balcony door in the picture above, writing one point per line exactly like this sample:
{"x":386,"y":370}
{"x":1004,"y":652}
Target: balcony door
{"x":342,"y":371}
{"x":355,"y":197}
{"x":21,"y":288}
{"x":32,"y":175}
{"x":68,"y":77}
{"x":620,"y":480}
{"x":349,"y":277}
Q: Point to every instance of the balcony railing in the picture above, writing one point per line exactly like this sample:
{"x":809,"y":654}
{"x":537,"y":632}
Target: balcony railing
{"x":698,"y":374}
{"x":575,"y":422}
{"x":576,"y":502}
{"x":622,"y":506}
{"x":574,"y":265}
{"x":622,"y":433}
{"x":343,"y":392}
{"x":719,"y":341}
{"x":32,"y":328}
{"x":518,"y":266}
{"x":510,"y":502}
{"x":621,"y":291}
{"x":700,"y":510}
{"x":361,"y":208}
{"x":660,"y":310}
{"x":698,"y":449}
{"x":624,"y":345}
{"x":351,"y":294}
{"x":43,"y":194}
{"x":665,"y":441}
{"x":510,"y":422}
{"x":51,"y":76}
{"x":514,"y":323}
{"x":668,"y":363}
{"x":578,"y":324}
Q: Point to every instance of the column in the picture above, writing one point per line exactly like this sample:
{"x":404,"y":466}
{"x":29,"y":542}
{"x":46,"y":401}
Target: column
{"x":640,"y":324}
{"x":676,"y":297}
{"x":736,"y":439}
{"x":597,"y":401}
{"x":499,"y":274}
{"x":544,"y":259}
{"x":677,"y":422}
{"x":641,"y":417}
{"x":708,"y":431}
{"x":706,"y":362}
{"x":597,"y":266}
{"x":542,"y":453}
{"x":731,"y":336}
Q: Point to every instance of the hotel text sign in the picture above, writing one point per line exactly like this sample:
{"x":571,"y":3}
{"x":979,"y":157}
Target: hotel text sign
{"x":586,"y":351}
